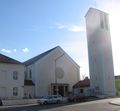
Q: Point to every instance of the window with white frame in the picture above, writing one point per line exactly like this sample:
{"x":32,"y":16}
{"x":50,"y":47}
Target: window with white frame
{"x":15,"y":75}
{"x":15,"y":91}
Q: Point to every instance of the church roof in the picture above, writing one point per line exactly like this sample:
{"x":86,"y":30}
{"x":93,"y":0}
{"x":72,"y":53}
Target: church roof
{"x":6,"y":59}
{"x":36,"y":58}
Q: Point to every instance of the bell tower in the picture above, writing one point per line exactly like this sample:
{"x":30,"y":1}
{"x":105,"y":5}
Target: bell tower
{"x":100,"y":53}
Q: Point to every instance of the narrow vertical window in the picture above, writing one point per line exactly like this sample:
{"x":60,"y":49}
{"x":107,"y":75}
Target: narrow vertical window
{"x":30,"y":74}
{"x":25,"y":75}
{"x":15,"y":91}
{"x":101,"y":21}
{"x":15,"y":75}
{"x":106,"y":21}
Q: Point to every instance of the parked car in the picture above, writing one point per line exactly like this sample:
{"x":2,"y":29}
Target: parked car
{"x":77,"y":98}
{"x":50,"y":99}
{"x":1,"y":102}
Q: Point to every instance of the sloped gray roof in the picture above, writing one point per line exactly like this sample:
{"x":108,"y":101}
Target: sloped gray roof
{"x":6,"y":59}
{"x":36,"y":58}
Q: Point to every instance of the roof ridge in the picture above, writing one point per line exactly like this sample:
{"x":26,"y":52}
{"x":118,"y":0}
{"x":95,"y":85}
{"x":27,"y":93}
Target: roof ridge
{"x":7,"y":59}
{"x":34,"y":59}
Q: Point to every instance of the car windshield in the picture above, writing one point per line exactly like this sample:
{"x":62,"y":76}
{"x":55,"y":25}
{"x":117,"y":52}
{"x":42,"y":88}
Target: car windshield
{"x":47,"y":97}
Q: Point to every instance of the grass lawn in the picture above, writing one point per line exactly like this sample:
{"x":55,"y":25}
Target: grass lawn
{"x":117,"y":83}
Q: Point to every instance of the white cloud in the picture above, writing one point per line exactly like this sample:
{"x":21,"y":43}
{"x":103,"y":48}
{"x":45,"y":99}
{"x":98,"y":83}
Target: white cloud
{"x":25,"y":50}
{"x":14,"y":50}
{"x":76,"y":28}
{"x":61,"y":26}
{"x":6,"y":50}
{"x":71,"y":28}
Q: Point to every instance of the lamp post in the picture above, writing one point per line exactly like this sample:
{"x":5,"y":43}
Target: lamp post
{"x":57,"y":90}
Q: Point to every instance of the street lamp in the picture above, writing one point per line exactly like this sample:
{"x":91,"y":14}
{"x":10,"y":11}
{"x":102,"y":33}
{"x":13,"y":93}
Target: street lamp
{"x":57,"y":90}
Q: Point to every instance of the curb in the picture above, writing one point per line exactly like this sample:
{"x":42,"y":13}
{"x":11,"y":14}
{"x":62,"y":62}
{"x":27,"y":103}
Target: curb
{"x":113,"y":103}
{"x":16,"y":106}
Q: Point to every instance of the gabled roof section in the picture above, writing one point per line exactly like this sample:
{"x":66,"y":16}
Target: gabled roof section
{"x":6,"y":59}
{"x":34,"y":59}
{"x":82,"y":84}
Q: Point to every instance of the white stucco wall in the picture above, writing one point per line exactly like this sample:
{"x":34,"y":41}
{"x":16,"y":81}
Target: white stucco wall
{"x":7,"y":83}
{"x":71,"y":71}
{"x":100,"y":53}
{"x":86,"y":91}
{"x":29,"y":91}
{"x":32,"y":68}
{"x":45,"y":71}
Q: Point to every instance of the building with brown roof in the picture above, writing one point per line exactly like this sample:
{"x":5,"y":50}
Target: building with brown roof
{"x":82,"y":88}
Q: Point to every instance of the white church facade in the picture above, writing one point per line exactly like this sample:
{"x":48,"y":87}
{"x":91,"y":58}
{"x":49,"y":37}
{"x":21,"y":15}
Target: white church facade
{"x":100,"y":53}
{"x":52,"y":72}
{"x":55,"y":72}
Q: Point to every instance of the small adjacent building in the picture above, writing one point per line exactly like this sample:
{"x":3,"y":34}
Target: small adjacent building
{"x":82,"y":88}
{"x":52,"y":72}
{"x":11,"y":78}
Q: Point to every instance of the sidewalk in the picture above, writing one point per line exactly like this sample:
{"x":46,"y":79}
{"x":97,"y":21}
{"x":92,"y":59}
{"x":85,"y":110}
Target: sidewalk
{"x":14,"y":106}
{"x":115,"y":102}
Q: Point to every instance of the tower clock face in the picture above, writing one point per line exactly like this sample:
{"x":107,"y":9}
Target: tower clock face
{"x":59,"y":73}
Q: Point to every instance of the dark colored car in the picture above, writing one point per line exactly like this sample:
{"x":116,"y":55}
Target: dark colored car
{"x":77,"y":98}
{"x":1,"y":102}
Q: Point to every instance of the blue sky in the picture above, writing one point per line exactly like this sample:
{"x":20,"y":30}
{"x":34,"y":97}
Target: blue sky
{"x":30,"y":27}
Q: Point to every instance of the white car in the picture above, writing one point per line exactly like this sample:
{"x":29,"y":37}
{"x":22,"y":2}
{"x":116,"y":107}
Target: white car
{"x":50,"y":99}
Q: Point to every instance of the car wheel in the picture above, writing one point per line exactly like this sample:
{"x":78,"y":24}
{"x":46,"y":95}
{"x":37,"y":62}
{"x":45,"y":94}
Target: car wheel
{"x":58,"y":102}
{"x":45,"y":102}
{"x":40,"y":104}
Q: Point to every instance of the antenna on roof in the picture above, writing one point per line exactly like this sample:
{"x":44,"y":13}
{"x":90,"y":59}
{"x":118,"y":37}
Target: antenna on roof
{"x":95,"y":3}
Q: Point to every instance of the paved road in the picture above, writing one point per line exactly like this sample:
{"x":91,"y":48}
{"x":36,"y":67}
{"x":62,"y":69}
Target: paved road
{"x":99,"y":105}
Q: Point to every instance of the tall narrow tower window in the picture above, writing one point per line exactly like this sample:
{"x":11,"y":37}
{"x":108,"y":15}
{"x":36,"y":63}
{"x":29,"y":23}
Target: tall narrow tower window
{"x":103,"y":21}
